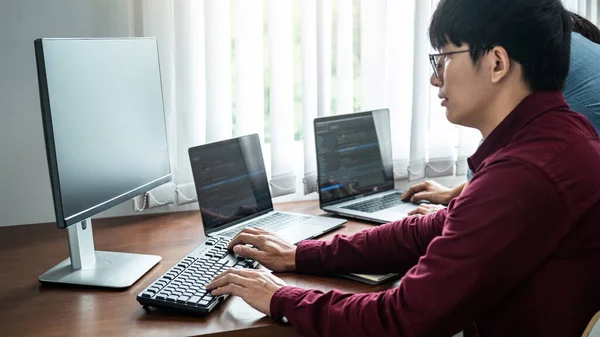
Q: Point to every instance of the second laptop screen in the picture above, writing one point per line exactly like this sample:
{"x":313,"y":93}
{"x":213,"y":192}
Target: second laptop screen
{"x":354,"y":155}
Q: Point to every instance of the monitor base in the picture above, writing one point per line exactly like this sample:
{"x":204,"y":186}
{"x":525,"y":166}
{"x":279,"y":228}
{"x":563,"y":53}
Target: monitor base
{"x":89,"y":267}
{"x":110,"y":270}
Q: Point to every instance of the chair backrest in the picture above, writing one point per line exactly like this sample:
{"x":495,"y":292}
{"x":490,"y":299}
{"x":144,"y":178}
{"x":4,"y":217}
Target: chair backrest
{"x":593,"y":328}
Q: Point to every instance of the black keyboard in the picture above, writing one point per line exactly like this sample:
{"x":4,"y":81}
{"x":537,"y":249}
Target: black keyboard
{"x":184,"y":285}
{"x":376,"y":204}
{"x":272,"y":223}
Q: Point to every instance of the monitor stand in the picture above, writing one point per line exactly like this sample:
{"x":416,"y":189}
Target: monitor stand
{"x":89,"y":267}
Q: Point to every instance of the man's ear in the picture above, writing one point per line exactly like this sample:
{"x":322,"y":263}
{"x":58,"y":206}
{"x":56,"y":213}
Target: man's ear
{"x":499,"y":64}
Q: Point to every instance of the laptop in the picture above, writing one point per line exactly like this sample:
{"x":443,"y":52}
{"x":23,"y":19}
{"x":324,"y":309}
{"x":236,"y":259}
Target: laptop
{"x":355,"y":169}
{"x":233,"y":193}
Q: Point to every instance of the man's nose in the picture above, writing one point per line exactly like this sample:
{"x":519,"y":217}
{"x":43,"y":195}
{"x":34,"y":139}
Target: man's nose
{"x":435,"y":81}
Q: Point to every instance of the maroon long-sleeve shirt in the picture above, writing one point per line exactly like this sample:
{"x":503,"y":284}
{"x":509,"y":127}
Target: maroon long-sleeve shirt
{"x":517,"y":254}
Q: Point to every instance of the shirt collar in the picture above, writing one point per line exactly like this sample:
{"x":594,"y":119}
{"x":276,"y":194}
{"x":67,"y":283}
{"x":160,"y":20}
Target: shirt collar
{"x":529,"y":109}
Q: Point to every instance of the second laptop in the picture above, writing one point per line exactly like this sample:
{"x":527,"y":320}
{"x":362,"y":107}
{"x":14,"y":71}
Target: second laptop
{"x":354,"y":159}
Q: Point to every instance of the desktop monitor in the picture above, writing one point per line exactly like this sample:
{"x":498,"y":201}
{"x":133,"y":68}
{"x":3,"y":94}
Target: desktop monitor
{"x":106,"y":142}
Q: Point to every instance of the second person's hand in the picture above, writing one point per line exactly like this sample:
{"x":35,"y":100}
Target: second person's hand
{"x":425,"y":209}
{"x":270,"y":250}
{"x":428,"y":190}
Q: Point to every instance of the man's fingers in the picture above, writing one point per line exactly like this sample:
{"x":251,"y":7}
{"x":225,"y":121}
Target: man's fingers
{"x":231,"y":289}
{"x":414,"y":189}
{"x":223,"y":274}
{"x":228,"y":278}
{"x":413,"y":212}
{"x":422,"y":196}
{"x":248,"y":273}
{"x":434,"y":207}
{"x":246,"y":237}
{"x":247,"y":230}
{"x":261,"y":231}
{"x":251,"y":230}
{"x":246,"y":251}
{"x":419,"y":211}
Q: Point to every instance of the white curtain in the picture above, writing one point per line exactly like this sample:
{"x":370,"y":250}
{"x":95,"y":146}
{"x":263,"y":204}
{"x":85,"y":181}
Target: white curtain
{"x":589,"y":9}
{"x":312,"y":94}
{"x":179,"y":27}
{"x":281,"y":98}
{"x":235,"y":67}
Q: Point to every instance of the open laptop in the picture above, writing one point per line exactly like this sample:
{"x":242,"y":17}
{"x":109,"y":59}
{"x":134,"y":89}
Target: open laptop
{"x":354,"y":160}
{"x":233,"y":193}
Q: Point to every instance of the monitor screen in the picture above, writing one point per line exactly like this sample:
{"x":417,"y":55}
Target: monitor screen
{"x":231,"y":182}
{"x":104,"y":122}
{"x":354,"y":155}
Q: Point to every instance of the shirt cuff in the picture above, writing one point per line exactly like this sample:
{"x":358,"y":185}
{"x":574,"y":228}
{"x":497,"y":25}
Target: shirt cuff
{"x":308,"y":256}
{"x":284,"y":302}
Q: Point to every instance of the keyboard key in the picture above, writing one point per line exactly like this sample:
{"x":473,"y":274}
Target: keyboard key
{"x":193,"y":300}
{"x":183,"y":299}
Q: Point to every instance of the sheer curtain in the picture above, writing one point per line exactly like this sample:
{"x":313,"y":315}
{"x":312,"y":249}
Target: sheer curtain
{"x":590,"y":9}
{"x":234,"y":67}
{"x":180,"y":29}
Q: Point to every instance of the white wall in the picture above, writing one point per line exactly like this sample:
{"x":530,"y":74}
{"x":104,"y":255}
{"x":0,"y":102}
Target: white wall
{"x":25,"y":195}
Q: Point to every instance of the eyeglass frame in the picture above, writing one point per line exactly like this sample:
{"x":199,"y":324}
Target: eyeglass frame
{"x":435,"y":63}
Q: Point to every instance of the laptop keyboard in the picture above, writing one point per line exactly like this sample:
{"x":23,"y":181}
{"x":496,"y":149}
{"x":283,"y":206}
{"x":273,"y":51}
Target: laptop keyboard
{"x":376,"y":204}
{"x":184,"y":285}
{"x":271,"y":223}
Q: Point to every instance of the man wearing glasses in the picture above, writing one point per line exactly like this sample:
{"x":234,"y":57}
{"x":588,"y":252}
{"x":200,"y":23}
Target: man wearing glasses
{"x":518,"y":253}
{"x":581,"y":91}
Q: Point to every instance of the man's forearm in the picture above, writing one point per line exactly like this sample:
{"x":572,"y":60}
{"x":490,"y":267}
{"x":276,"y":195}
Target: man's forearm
{"x":393,"y":247}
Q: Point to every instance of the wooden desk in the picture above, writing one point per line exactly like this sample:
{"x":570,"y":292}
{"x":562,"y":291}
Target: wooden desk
{"x":28,"y":308}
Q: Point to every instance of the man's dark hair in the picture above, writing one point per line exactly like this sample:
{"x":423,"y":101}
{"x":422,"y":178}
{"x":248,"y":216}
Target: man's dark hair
{"x":535,"y":33}
{"x":584,"y":27}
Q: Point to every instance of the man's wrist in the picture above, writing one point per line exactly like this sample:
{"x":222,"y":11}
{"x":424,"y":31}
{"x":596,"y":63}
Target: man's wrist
{"x":453,"y":193}
{"x":291,"y":260}
{"x":447,"y":196}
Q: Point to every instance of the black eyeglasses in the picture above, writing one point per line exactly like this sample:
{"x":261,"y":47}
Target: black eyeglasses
{"x":436,"y":60}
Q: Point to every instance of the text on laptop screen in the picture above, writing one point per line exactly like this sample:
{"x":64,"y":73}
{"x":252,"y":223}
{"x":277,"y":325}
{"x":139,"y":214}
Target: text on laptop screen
{"x":354,"y":155}
{"x":231,"y":181}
